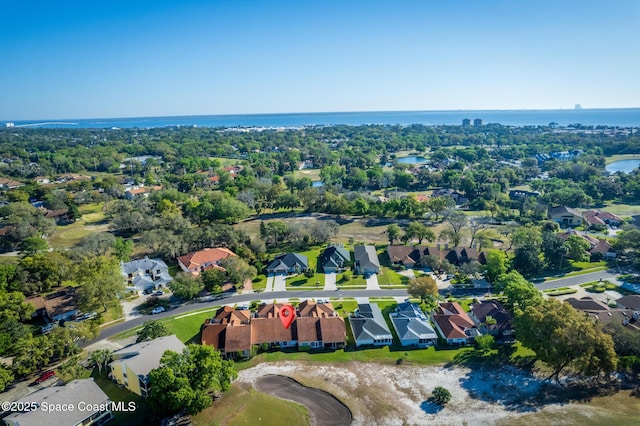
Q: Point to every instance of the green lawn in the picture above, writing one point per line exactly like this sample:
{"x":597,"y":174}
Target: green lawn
{"x":246,"y":406}
{"x":259,"y":282}
{"x":300,"y":280}
{"x":355,"y":281}
{"x":9,"y":259}
{"x":623,"y":209}
{"x":142,"y":413}
{"x":388,"y":277}
{"x":186,"y":327}
{"x":67,"y":236}
{"x":384,"y":355}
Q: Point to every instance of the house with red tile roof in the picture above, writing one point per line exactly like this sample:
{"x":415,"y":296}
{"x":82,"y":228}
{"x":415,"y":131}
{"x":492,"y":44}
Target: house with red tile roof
{"x":199,"y":261}
{"x":598,"y":247}
{"x":236,"y":332}
{"x":454,"y":325}
{"x":599,"y":218}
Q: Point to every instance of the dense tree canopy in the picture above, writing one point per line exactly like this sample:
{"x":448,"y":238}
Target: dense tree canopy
{"x":564,"y":338}
{"x":186,"y":381}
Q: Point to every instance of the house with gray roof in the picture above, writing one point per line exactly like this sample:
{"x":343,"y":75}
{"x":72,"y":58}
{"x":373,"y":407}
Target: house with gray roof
{"x":412,"y":326}
{"x":565,"y":216}
{"x":366,"y":260}
{"x":91,"y":406}
{"x":369,"y":327}
{"x":333,"y":258}
{"x":132,"y":364}
{"x":289,"y":263}
{"x":146,"y":273}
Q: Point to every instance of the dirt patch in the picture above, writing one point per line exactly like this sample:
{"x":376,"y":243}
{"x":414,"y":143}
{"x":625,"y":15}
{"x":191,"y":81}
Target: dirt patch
{"x":398,"y":395}
{"x":324,"y":408}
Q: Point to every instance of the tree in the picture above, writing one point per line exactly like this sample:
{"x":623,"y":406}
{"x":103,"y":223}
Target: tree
{"x":213,"y":279}
{"x":152,"y":330}
{"x":393,"y":232}
{"x":40,"y":273}
{"x":437,"y":205}
{"x":100,"y":281}
{"x":453,"y":234}
{"x":496,"y":265}
{"x":238,"y":270}
{"x":420,"y":231}
{"x":485,"y":342}
{"x":122,"y":249}
{"x":553,"y":249}
{"x":527,"y":260}
{"x":562,"y":337}
{"x":102,"y":357}
{"x":6,"y":377}
{"x":13,"y":307}
{"x":423,"y":287}
{"x":185,"y":286}
{"x":184,"y":380}
{"x":33,"y":245}
{"x":577,"y":248}
{"x":519,"y":292}
{"x":441,"y":395}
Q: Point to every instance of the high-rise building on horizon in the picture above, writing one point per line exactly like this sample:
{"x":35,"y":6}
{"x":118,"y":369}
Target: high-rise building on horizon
{"x":477,"y":122}
{"x":466,"y":122}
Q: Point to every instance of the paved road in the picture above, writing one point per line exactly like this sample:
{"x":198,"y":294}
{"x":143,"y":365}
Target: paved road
{"x":324,"y":408}
{"x":577,"y":280}
{"x":245,"y":298}
{"x":307,"y":294}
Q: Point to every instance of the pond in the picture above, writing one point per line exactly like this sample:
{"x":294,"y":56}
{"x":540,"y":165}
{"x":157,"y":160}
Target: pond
{"x":625,"y":166}
{"x":412,"y":159}
{"x":317,"y":184}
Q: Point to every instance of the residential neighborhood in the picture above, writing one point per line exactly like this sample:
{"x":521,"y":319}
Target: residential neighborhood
{"x":210,"y":260}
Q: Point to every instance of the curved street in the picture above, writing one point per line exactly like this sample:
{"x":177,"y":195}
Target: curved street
{"x":243,"y":298}
{"x":323,"y":294}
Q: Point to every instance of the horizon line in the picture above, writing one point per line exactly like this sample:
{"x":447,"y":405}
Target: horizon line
{"x":316,"y":112}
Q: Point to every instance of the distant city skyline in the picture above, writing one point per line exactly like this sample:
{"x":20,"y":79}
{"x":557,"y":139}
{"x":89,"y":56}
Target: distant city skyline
{"x":72,"y":59}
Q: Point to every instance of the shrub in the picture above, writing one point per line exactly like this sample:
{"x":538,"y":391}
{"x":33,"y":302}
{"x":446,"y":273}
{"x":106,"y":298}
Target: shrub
{"x":441,"y":395}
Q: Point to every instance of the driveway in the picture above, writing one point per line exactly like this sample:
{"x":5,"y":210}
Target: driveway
{"x":372,"y":283}
{"x":330,"y":281}
{"x":269,"y":286}
{"x":280,"y":283}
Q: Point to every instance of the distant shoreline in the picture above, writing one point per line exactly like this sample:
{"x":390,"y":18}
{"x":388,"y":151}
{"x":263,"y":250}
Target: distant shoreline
{"x":620,"y":117}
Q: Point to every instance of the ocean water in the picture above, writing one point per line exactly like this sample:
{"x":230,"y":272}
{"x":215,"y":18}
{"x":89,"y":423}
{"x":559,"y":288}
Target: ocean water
{"x":627,"y":117}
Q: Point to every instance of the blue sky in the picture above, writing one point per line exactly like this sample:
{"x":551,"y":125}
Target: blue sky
{"x":87,"y":59}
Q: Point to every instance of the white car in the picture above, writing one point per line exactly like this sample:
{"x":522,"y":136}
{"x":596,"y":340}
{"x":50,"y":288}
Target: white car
{"x":157,"y":310}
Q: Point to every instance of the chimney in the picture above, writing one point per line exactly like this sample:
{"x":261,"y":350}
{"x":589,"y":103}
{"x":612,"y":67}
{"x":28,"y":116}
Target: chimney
{"x":636,"y":315}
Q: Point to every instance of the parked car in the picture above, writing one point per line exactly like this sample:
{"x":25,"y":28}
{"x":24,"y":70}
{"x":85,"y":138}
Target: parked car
{"x":158,"y":293}
{"x":45,"y":376}
{"x":47,"y":328}
{"x":157,"y":310}
{"x":87,"y":316}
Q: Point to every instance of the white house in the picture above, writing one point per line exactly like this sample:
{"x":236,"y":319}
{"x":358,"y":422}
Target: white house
{"x":146,"y":273}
